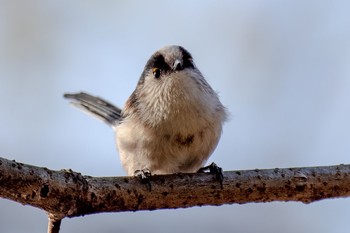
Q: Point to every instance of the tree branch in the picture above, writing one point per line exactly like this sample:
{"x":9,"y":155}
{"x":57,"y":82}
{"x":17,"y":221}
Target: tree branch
{"x":66,"y":193}
{"x":54,"y":224}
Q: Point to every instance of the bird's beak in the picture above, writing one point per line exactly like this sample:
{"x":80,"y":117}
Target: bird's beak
{"x":177,"y":65}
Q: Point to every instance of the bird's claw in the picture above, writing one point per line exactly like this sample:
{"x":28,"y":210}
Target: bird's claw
{"x":145,"y":176}
{"x":214,"y":169}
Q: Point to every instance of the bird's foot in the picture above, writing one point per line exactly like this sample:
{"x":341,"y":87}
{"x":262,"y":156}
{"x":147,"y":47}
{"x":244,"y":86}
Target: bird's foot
{"x":145,"y":176}
{"x":214,"y":169}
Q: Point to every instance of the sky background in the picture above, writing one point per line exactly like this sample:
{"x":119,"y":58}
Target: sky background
{"x":282,"y":68}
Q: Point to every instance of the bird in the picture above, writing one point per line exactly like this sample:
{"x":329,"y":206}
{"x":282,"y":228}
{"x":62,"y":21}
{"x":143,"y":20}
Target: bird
{"x":172,"y":121}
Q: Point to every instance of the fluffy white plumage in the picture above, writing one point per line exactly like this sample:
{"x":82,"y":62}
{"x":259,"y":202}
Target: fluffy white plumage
{"x":173,"y":120}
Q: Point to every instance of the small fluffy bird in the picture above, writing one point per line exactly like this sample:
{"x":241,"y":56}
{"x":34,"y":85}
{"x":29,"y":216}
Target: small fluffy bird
{"x":171,"y":123}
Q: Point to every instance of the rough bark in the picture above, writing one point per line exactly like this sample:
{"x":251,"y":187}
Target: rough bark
{"x":66,"y":193}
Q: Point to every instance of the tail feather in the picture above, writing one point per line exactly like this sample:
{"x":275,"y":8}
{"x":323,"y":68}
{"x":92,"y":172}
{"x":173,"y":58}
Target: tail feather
{"x":96,"y":106}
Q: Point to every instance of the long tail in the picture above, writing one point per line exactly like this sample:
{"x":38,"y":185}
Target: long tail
{"x":96,"y":106}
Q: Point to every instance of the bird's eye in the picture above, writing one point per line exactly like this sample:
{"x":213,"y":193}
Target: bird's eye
{"x":156,"y":72}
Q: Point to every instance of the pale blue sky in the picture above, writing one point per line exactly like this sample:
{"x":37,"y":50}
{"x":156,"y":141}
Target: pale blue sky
{"x":282,"y":68}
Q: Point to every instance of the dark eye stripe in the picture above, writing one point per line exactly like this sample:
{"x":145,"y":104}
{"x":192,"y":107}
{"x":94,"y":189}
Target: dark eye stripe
{"x":187,"y":58}
{"x":157,"y":61}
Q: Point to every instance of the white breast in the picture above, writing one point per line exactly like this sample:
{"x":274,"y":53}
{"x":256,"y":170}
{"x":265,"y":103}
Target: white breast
{"x":176,"y":128}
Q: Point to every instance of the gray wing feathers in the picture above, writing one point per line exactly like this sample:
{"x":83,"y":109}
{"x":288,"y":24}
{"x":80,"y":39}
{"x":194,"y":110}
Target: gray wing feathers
{"x":96,"y":106}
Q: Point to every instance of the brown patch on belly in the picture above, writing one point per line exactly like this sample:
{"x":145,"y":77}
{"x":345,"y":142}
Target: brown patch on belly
{"x":184,"y":140}
{"x":201,"y":134}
